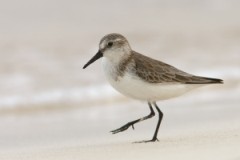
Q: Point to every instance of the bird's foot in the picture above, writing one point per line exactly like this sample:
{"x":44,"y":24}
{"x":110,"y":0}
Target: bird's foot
{"x":123,"y":128}
{"x":146,"y":141}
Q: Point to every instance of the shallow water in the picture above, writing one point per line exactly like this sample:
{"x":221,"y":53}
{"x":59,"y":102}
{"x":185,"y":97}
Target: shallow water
{"x":42,"y":54}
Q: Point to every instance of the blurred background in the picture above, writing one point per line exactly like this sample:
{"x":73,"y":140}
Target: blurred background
{"x":47,"y":99}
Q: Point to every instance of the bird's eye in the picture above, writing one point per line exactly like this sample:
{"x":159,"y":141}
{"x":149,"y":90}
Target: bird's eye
{"x":110,"y":44}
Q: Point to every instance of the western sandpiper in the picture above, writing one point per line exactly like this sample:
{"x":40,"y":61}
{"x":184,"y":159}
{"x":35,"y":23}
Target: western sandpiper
{"x":143,"y":78}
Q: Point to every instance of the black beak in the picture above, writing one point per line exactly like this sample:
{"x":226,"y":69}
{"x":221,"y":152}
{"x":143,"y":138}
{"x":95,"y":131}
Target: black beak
{"x":94,"y":58}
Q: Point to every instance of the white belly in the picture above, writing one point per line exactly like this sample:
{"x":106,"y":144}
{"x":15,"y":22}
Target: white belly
{"x":136,"y":88}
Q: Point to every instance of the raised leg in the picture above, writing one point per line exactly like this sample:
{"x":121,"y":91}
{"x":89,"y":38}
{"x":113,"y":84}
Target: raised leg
{"x":126,"y":126}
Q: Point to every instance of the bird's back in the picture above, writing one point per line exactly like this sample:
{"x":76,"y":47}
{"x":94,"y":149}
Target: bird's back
{"x":154,"y":71}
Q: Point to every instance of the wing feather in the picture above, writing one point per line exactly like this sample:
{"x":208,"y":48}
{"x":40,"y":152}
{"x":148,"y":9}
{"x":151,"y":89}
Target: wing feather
{"x":154,"y":71}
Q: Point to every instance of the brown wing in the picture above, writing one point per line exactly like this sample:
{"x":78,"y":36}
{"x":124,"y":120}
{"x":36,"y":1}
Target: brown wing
{"x":154,"y":71}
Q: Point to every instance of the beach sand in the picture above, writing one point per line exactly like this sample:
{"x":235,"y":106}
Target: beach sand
{"x":190,"y":130}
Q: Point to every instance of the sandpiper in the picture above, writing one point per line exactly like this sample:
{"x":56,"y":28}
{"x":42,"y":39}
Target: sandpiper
{"x":143,"y":78}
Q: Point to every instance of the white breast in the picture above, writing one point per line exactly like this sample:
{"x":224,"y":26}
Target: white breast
{"x":134,"y":87}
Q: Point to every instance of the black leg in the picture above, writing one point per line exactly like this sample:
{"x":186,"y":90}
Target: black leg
{"x":160,"y":115}
{"x":126,"y":126}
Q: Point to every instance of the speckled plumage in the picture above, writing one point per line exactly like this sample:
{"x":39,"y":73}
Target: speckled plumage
{"x":154,"y":71}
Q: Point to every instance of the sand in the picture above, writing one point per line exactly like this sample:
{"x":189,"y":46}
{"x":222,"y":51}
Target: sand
{"x":190,"y":130}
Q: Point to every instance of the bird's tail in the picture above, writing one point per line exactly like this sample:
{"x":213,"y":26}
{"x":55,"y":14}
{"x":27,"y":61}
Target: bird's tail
{"x":205,"y":80}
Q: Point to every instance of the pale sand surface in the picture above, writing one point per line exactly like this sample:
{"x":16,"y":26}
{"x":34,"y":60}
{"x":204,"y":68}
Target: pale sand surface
{"x":210,"y":146}
{"x":190,"y":130}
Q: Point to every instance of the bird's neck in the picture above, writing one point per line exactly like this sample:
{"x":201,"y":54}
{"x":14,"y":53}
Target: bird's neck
{"x":116,"y":67}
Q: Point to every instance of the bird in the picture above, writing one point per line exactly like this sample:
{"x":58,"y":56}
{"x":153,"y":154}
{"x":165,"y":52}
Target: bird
{"x":143,"y":78}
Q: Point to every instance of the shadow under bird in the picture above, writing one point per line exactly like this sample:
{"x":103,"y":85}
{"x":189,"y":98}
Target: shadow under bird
{"x":143,"y":78}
